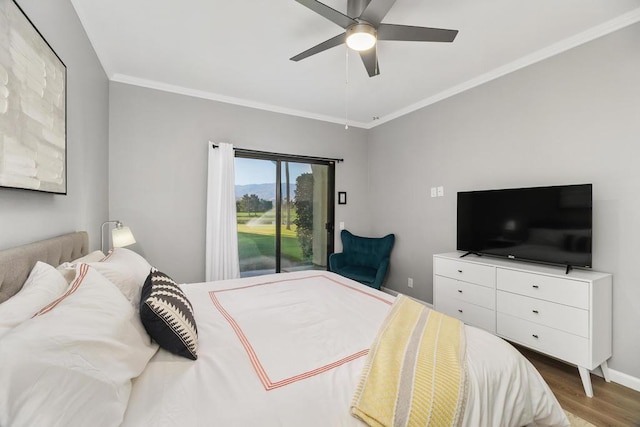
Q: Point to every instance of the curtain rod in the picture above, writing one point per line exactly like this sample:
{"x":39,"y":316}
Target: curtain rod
{"x":282,"y":155}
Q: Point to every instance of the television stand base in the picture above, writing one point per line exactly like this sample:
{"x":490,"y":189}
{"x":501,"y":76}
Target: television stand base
{"x":569,"y":268}
{"x":470,"y":253}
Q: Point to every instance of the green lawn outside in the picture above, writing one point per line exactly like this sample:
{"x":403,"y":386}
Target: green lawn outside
{"x":252,"y":245}
{"x":267,"y":230}
{"x":256,"y":241}
{"x":268,"y":217}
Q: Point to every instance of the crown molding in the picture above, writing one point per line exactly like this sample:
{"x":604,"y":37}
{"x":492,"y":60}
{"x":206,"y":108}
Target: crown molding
{"x":569,"y":43}
{"x":151,"y":84}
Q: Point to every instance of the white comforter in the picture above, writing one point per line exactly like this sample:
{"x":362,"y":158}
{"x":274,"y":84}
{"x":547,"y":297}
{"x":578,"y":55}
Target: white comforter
{"x":287,"y":350}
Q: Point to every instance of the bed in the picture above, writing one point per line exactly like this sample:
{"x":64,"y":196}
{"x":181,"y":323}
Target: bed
{"x":276,"y":350}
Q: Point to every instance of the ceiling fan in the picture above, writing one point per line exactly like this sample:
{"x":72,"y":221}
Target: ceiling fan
{"x":364,"y":27}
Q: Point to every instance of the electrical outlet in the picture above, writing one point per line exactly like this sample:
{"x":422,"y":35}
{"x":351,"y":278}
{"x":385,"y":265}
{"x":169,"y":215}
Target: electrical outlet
{"x":440,"y":191}
{"x":433,"y":192}
{"x":410,"y":282}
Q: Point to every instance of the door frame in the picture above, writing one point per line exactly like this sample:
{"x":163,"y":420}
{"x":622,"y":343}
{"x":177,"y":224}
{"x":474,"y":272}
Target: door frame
{"x":279,"y":159}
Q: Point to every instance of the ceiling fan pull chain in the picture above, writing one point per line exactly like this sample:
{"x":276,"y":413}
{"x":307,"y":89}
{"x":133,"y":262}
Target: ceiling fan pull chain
{"x":346,"y":90}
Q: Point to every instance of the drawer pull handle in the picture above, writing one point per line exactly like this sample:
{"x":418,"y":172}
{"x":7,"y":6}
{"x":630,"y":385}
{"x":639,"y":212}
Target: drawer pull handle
{"x":535,"y":336}
{"x":460,"y":290}
{"x":459,"y":271}
{"x":535,"y":311}
{"x":536,"y":286}
{"x":459,"y":311}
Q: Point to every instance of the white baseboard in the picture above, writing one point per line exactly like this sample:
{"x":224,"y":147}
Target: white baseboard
{"x":624,"y":379}
{"x":389,"y":291}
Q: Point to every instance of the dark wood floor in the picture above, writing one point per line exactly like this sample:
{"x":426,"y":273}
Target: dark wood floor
{"x":611,"y":405}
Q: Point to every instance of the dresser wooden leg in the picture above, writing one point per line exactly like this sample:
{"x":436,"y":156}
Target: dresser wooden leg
{"x":586,"y":381}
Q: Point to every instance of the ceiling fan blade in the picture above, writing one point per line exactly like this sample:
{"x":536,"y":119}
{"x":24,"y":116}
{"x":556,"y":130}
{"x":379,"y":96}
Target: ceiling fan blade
{"x":415,"y":34}
{"x":375,"y":12}
{"x":370,"y":61}
{"x":356,"y":7}
{"x":331,"y":14}
{"x":328,"y":44}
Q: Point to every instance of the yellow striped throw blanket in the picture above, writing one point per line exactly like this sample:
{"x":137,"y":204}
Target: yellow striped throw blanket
{"x":415,"y":373}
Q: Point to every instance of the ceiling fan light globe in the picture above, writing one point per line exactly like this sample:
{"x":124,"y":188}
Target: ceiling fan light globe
{"x":361,"y":37}
{"x":361,"y":41}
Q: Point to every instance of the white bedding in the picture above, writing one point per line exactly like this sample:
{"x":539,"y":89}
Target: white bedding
{"x":72,"y":363}
{"x":287,"y":350}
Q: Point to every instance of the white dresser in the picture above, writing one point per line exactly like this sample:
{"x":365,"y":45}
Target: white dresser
{"x":566,"y":316}
{"x":466,"y":290}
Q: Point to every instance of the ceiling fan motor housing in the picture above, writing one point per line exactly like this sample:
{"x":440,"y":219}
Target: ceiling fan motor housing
{"x":361,"y":36}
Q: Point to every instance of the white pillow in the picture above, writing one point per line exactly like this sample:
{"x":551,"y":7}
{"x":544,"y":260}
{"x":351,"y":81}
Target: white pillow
{"x":127,"y":270}
{"x":94,"y":256}
{"x":72,"y":364}
{"x":68,"y":269}
{"x":43,"y":285}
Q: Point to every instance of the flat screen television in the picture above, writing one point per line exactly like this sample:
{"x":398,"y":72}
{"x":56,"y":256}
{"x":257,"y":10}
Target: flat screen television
{"x":541,"y":224}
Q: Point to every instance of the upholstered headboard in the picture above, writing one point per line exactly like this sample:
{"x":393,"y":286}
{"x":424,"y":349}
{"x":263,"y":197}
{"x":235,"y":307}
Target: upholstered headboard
{"x":16,"y":263}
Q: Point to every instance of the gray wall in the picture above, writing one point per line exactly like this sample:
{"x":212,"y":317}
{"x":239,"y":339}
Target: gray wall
{"x":158,"y":167}
{"x":26,"y":216}
{"x":574,"y":118}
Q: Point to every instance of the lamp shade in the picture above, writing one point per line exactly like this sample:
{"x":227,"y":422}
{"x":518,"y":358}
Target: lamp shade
{"x":122,"y":236}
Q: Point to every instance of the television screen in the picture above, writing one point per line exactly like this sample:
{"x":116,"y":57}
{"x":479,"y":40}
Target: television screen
{"x":543,"y":224}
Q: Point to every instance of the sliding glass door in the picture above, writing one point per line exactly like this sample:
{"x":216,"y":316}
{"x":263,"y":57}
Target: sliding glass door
{"x":256,"y":215}
{"x":285,"y":213}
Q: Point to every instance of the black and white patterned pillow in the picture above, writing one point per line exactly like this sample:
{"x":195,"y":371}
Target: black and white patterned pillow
{"x":167,"y":315}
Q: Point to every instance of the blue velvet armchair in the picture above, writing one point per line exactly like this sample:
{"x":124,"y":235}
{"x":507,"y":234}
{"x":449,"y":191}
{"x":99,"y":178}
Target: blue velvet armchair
{"x":363,"y":259}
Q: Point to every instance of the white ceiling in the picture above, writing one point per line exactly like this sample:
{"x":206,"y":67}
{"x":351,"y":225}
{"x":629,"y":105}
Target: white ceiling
{"x":238,"y":51}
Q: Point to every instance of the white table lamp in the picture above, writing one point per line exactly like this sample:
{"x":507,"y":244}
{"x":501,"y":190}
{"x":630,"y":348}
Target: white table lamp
{"x":120,"y":236}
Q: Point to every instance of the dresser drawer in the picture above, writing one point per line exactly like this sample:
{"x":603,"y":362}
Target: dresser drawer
{"x":555,"y":289}
{"x":445,"y":287}
{"x":568,"y":319}
{"x":469,"y":272}
{"x":470,"y":314}
{"x":563,"y":345}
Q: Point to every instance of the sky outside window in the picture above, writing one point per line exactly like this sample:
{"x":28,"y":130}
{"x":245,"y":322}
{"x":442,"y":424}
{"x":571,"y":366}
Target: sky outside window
{"x":255,"y":171}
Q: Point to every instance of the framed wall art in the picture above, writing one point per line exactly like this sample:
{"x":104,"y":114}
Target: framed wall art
{"x":33,"y":116}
